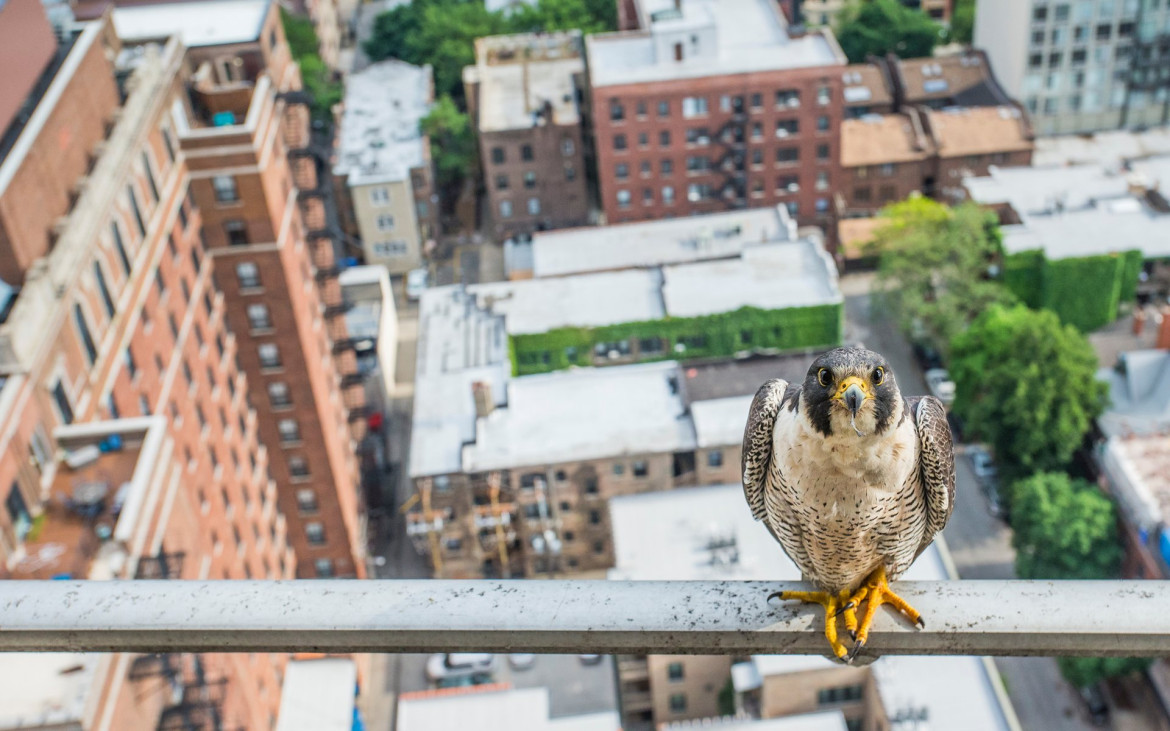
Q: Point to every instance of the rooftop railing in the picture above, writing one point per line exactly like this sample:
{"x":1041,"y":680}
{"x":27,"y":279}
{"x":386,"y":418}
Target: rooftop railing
{"x":654,"y":617}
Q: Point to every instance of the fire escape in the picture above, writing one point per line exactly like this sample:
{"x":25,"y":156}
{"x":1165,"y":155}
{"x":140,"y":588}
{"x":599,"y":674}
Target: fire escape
{"x":733,"y":164}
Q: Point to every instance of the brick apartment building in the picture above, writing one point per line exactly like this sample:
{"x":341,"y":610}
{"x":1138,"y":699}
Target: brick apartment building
{"x":136,"y":437}
{"x":710,"y":106}
{"x":245,"y":134}
{"x":525,"y":96}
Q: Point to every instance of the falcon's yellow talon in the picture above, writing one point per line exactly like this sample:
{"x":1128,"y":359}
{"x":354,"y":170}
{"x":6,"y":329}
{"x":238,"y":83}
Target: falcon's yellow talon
{"x":834,"y":605}
{"x":877,"y":590}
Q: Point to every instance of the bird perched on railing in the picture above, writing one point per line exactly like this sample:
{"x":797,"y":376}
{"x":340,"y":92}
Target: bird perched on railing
{"x":852,"y":479}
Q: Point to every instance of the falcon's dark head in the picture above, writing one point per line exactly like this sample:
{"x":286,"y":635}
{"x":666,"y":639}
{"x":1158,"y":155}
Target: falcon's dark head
{"x":850,"y":390}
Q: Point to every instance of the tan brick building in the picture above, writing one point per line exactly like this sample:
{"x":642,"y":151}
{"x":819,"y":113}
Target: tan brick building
{"x":525,"y":96}
{"x":137,"y":435}
{"x":710,"y":106}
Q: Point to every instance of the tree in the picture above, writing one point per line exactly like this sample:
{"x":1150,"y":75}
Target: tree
{"x":878,"y":27}
{"x":963,"y":21}
{"x":1026,"y":384}
{"x":452,"y":145}
{"x":1085,"y":671}
{"x":933,"y":273}
{"x":1063,"y":528}
{"x":318,"y":79}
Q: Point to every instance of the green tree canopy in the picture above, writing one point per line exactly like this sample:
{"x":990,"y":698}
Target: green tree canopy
{"x":878,"y":27}
{"x":318,"y":79}
{"x":1063,"y":528}
{"x":1026,"y":384}
{"x":453,"y":146}
{"x":1085,"y":671}
{"x":933,"y":272}
{"x":963,"y":21}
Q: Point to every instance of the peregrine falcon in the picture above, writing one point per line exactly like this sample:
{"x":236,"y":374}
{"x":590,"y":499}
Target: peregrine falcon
{"x":853,"y":480}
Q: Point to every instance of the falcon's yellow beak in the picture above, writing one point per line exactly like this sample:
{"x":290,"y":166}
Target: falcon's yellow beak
{"x":853,"y":391}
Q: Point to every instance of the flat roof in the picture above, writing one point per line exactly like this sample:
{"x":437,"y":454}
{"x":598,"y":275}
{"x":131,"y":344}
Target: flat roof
{"x":735,"y":37}
{"x":1080,"y":210}
{"x":1138,"y":467}
{"x":1139,"y":397}
{"x":652,"y":243}
{"x":979,"y":130}
{"x":588,"y":300}
{"x":44,"y":688}
{"x":203,"y":23}
{"x":719,"y":422}
{"x":1101,"y":148}
{"x":708,"y":533}
{"x":729,"y":377}
{"x":494,"y":708}
{"x":318,"y":695}
{"x":519,"y":74}
{"x":819,"y":721}
{"x":876,"y":139}
{"x":770,"y":277}
{"x":379,"y":139}
{"x":585,"y":413}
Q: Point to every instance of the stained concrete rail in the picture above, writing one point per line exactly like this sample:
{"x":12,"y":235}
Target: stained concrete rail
{"x":661,"y":617}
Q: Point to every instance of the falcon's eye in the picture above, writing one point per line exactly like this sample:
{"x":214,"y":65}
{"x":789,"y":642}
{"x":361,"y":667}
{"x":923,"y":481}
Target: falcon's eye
{"x":879,"y":375}
{"x":823,"y":377}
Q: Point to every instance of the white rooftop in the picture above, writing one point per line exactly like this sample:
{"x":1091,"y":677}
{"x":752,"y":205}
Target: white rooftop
{"x":719,"y":422}
{"x":585,"y":413}
{"x":1080,"y":210}
{"x":206,"y":23}
{"x":589,"y":300}
{"x":770,"y":277}
{"x":318,"y":695}
{"x":652,"y":243}
{"x":819,"y":721}
{"x":1139,"y":398}
{"x":44,"y":688}
{"x":379,"y":140}
{"x":707,"y":533}
{"x":519,"y":74}
{"x":493,"y":708}
{"x":1138,"y":468}
{"x":1101,"y":148}
{"x":720,"y":37}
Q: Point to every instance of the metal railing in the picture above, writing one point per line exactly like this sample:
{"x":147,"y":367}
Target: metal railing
{"x":642,"y":617}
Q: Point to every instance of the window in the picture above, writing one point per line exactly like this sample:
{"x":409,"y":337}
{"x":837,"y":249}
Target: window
{"x":1104,"y":31}
{"x":278,"y":395}
{"x":84,"y":333}
{"x":621,"y":171}
{"x":498,"y":155}
{"x":298,"y":467}
{"x":136,"y":211}
{"x":568,"y":147}
{"x":824,"y":95}
{"x":168,"y":143}
{"x":645,"y":169}
{"x":757,"y":157}
{"x":619,"y":468}
{"x":534,"y":206}
{"x":822,"y":180}
{"x":697,"y":163}
{"x":324,"y":567}
{"x":787,"y":155}
{"x":248,"y":274}
{"x":668,"y":195}
{"x":526,"y":153}
{"x":258,"y":317}
{"x":307,"y":500}
{"x":845,"y":694}
{"x":1040,"y":14}
{"x":663,"y":109}
{"x":1035,"y":60}
{"x":822,"y":153}
{"x":643,"y":140}
{"x":62,"y":400}
{"x":315,"y":532}
{"x":863,"y":195}
{"x":694,"y":106}
{"x":149,"y":176}
{"x":886,"y":169}
{"x":787,"y":98}
{"x":379,"y":196}
{"x":225,"y":189}
{"x":822,"y":123}
{"x":18,"y":512}
{"x":570,"y":173}
{"x":619,"y":142}
{"x":120,"y":247}
{"x":788,"y":184}
{"x":664,"y":138}
{"x":617,"y":111}
{"x":1054,"y":59}
{"x":757,"y":102}
{"x":236,"y":232}
{"x":103,"y":289}
{"x":623,"y":198}
{"x":715,"y":458}
{"x":647,"y":196}
{"x":787,"y":128}
{"x":641,"y":468}
{"x":269,"y":355}
{"x":698,"y":191}
{"x":822,"y":205}
{"x":678,"y":703}
{"x":640,"y":110}
{"x":385,"y":222}
{"x":591,"y":489}
{"x":595,"y":515}
{"x":505,"y":209}
{"x":666,"y":167}
{"x":674,"y":672}
{"x":529,"y":179}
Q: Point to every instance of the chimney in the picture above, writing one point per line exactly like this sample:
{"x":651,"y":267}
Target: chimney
{"x":1163,"y":342}
{"x":481,"y":391}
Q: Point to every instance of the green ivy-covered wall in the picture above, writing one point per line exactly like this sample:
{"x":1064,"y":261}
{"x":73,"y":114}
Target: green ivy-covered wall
{"x":724,"y":334}
{"x":1084,"y":292}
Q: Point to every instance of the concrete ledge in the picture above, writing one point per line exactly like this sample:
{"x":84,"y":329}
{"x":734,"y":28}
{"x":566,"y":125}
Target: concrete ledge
{"x":701,"y":617}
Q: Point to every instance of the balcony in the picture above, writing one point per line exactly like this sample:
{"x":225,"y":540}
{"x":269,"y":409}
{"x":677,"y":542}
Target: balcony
{"x":1046,"y":618}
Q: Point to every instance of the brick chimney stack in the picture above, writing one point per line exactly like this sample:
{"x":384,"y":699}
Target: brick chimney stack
{"x":1163,"y":341}
{"x":481,"y":391}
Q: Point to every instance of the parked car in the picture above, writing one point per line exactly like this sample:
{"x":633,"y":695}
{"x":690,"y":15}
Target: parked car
{"x":461,"y":668}
{"x":416,"y":283}
{"x":982,"y":464}
{"x":521,"y":660}
{"x":1095,"y":702}
{"x":941,"y":386}
{"x":927,"y":356}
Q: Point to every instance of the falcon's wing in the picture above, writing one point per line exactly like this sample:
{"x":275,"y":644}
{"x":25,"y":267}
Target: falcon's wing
{"x":936,"y":463}
{"x":756,"y":458}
